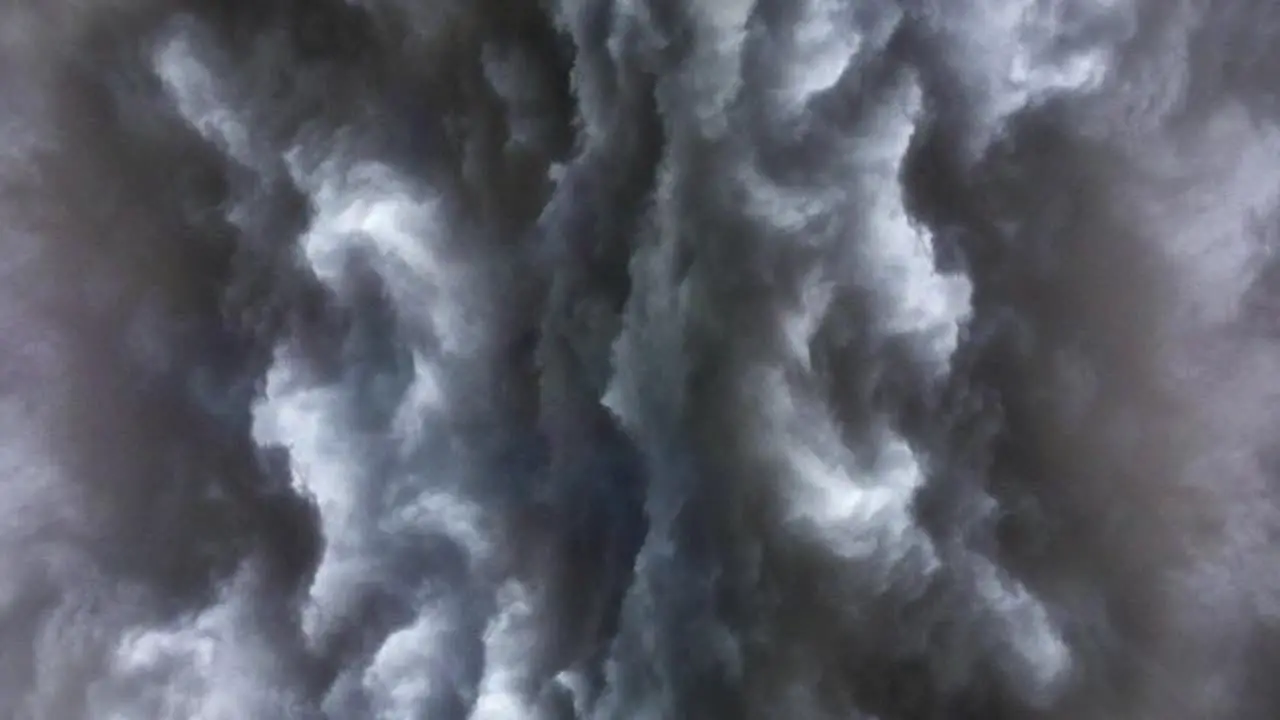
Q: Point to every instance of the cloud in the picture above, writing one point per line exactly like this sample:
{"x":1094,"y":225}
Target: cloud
{"x":609,"y":359}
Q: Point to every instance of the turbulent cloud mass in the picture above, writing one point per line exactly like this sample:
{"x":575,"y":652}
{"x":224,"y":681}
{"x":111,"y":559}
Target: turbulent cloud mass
{"x":639,"y":360}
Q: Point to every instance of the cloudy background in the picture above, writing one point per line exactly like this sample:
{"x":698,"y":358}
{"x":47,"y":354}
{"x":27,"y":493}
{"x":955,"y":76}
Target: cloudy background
{"x":639,"y":359}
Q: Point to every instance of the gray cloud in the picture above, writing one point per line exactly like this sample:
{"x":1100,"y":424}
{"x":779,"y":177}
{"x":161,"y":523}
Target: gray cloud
{"x":601,"y":360}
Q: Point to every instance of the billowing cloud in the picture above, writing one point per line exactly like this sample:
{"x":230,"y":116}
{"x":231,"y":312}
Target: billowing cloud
{"x":594,"y":359}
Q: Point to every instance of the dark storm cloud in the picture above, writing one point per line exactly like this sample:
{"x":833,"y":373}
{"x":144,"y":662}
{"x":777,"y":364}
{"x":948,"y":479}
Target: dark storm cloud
{"x":395,"y":359}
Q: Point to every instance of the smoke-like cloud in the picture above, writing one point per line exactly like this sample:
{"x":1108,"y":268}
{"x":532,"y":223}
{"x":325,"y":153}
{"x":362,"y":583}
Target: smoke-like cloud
{"x":594,"y":359}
